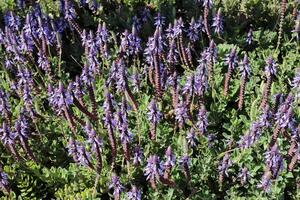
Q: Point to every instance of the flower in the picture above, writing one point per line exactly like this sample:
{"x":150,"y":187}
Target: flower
{"x":181,"y":113}
{"x":249,"y":38}
{"x":266,"y":183}
{"x":202,"y":122}
{"x":192,"y":138}
{"x":134,"y":193}
{"x":271,"y":67}
{"x":170,"y":158}
{"x":117,"y":186}
{"x":159,"y":20}
{"x":244,"y":175}
{"x":232,"y":58}
{"x":153,"y":170}
{"x":60,"y":98}
{"x":194,"y":30}
{"x":245,"y":67}
{"x":154,"y":114}
{"x":224,"y":166}
{"x":218,"y":22}
{"x":6,"y":135}
{"x":138,"y":155}
{"x":274,"y":161}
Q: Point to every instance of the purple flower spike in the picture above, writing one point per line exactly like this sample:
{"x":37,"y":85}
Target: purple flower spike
{"x":170,"y":158}
{"x":245,"y":67}
{"x":138,"y":156}
{"x":181,"y":113}
{"x":134,"y":193}
{"x":159,"y":20}
{"x":60,"y":98}
{"x":208,"y":3}
{"x":154,"y":114}
{"x":194,"y":30}
{"x":6,"y":135}
{"x":134,"y":42}
{"x":4,"y":104}
{"x":117,"y":186}
{"x":69,"y":10}
{"x":232,"y":58}
{"x":249,"y":38}
{"x":224,"y":166}
{"x":93,"y":139}
{"x":218,"y":22}
{"x":271,"y":67}
{"x":244,"y":175}
{"x":266,"y":183}
{"x":202,"y":122}
{"x":192,"y":138}
{"x":274,"y":161}
{"x":3,"y":180}
{"x":153,"y":170}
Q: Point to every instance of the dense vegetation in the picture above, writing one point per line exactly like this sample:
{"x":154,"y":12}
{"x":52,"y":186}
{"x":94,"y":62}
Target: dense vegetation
{"x":195,"y":99}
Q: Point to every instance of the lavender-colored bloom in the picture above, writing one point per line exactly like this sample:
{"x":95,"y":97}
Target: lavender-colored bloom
{"x":25,"y":78}
{"x":189,"y":85}
{"x":245,"y":67}
{"x":134,"y":193}
{"x":218,"y":22}
{"x":22,"y":127}
{"x":170,"y":158}
{"x":4,"y":103}
{"x":232,"y":58}
{"x":266,"y":117}
{"x":192,"y":138}
{"x":145,"y":14}
{"x":3,"y":180}
{"x":170,"y":32}
{"x":185,"y":160}
{"x":134,"y":42}
{"x":117,"y":186}
{"x":136,"y":82}
{"x":194,"y":30}
{"x":285,"y":112}
{"x":208,"y":3}
{"x":6,"y":135}
{"x":121,"y":76}
{"x":181,"y":113}
{"x":296,"y":80}
{"x":43,"y":61}
{"x":12,"y":21}
{"x":271,"y":67}
{"x":159,"y":20}
{"x":172,"y":57}
{"x":69,"y":10}
{"x":60,"y":98}
{"x":93,"y":139}
{"x":244,"y":175}
{"x":154,"y":114}
{"x":137,"y":23}
{"x":84,"y":157}
{"x":266,"y":183}
{"x":178,"y":27}
{"x":224,"y":165}
{"x":274,"y":161}
{"x":249,"y":38}
{"x":201,"y":79}
{"x":138,"y":156}
{"x":211,"y":138}
{"x":153,"y":170}
{"x":202,"y":121}
{"x":88,"y":75}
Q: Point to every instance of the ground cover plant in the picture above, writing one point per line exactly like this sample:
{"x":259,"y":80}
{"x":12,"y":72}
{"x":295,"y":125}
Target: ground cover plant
{"x":150,"y":100}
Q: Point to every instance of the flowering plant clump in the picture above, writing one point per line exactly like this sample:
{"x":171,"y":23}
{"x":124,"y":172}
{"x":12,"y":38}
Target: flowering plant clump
{"x":149,"y":100}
